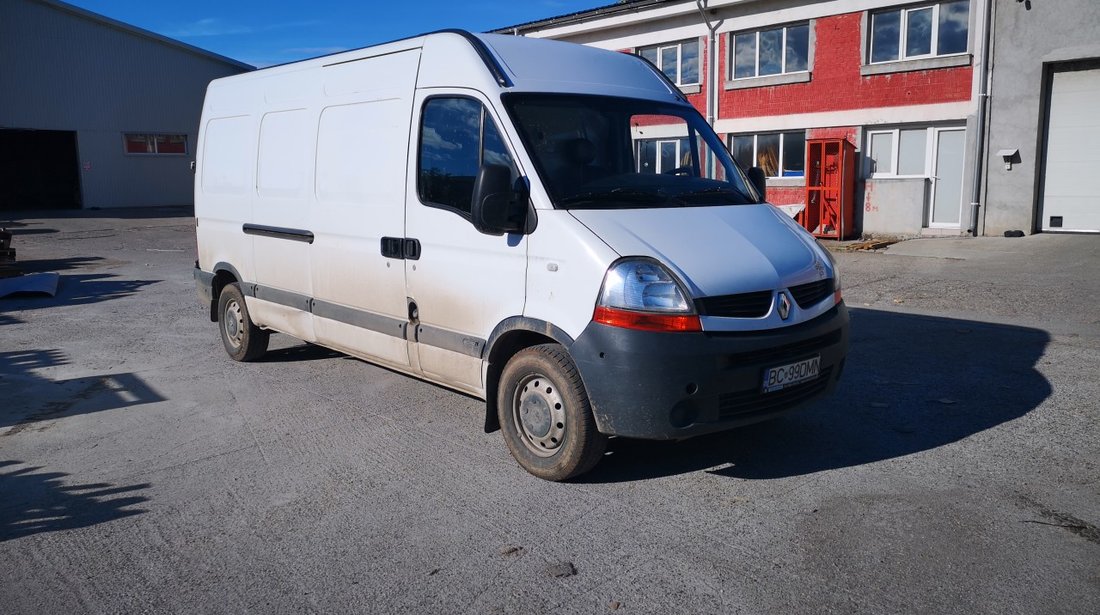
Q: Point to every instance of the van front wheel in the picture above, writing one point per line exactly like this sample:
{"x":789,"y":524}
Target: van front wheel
{"x":243,"y":340}
{"x":545,"y":414}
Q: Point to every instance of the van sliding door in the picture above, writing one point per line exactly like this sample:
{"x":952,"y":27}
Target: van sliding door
{"x":362,"y":146}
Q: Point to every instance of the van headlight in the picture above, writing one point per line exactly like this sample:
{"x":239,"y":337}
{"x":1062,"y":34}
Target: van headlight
{"x":836,"y":271}
{"x":642,"y":294}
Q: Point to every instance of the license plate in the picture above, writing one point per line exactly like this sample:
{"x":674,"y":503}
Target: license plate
{"x":783,"y":376}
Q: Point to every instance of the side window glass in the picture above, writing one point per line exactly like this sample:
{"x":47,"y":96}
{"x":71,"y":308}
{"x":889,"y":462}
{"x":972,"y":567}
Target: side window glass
{"x":456,"y":137}
{"x":493,"y":149}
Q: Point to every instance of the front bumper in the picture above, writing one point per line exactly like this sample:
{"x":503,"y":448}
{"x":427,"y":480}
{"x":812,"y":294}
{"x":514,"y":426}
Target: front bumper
{"x":677,"y":385}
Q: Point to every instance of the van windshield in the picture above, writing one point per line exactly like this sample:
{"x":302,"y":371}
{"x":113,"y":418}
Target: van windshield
{"x":599,"y":152}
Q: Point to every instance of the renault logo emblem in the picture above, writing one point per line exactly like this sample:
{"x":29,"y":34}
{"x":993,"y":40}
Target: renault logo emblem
{"x":784,"y":306}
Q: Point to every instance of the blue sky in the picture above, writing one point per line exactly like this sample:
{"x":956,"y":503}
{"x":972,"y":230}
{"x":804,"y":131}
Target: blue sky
{"x":272,"y":32}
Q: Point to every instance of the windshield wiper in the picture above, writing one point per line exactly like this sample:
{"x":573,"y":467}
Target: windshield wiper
{"x":617,"y":194}
{"x":718,"y":190}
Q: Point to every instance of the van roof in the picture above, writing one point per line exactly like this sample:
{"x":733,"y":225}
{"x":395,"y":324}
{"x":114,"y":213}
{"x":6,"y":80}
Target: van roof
{"x":543,"y":65}
{"x":509,"y":63}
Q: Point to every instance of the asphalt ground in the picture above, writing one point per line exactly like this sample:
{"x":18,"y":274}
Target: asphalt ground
{"x":956,"y":469}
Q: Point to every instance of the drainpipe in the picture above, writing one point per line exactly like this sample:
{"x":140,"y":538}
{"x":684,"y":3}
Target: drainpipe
{"x":983,"y":105}
{"x":712,"y":62}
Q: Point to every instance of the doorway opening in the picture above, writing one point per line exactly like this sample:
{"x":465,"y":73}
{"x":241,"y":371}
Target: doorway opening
{"x":39,"y":169}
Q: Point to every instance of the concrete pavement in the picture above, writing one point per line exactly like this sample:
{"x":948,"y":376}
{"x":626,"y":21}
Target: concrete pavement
{"x":956,"y":470}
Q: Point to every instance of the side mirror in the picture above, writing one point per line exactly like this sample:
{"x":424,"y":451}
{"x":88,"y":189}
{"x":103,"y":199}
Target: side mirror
{"x":498,"y":206}
{"x":759,"y":181}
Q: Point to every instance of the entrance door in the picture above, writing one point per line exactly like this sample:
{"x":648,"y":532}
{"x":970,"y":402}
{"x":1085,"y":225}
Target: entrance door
{"x":1070,"y":201}
{"x":39,"y":170}
{"x":462,"y":282}
{"x":947,"y":178}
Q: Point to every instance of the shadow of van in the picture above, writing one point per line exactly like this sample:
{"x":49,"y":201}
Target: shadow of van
{"x":912,"y":383}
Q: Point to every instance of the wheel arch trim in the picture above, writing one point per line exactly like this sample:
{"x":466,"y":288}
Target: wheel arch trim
{"x":493,"y":366}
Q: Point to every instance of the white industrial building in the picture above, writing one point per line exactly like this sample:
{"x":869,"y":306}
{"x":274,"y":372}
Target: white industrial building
{"x":95,"y":113}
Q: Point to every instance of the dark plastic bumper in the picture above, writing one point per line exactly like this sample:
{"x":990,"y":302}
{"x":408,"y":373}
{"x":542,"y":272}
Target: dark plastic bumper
{"x":204,"y":284}
{"x":677,"y":385}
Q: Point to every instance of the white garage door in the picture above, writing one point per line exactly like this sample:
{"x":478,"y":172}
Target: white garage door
{"x":1071,"y":196}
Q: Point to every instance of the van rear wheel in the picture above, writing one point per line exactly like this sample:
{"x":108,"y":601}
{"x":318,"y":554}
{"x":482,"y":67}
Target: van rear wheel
{"x":243,"y":340}
{"x":545,"y":414}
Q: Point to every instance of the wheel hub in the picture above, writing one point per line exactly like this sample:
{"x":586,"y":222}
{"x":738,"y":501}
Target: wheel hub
{"x":539,"y":413}
{"x":234,"y":323}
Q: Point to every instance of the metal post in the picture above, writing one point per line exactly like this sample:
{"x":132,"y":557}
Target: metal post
{"x":983,"y":102}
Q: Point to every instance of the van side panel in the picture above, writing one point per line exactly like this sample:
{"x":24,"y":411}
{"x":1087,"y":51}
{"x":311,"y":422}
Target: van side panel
{"x":223,"y":195}
{"x":281,"y":204}
{"x":362,"y":138}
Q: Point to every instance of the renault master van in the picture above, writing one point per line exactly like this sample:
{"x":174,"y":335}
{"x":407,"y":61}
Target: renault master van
{"x":546,"y":226}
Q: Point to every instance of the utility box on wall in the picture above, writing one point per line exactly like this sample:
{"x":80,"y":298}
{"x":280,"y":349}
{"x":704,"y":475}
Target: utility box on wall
{"x":830,"y":188}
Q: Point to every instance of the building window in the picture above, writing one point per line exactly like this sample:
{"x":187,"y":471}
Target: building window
{"x":779,"y":154}
{"x":662,"y":155}
{"x":771,"y":52}
{"x":134,"y":143}
{"x":678,"y":61}
{"x":920,"y":32}
{"x":901,"y":152}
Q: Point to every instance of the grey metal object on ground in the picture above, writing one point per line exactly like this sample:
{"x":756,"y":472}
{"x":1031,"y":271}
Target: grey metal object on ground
{"x":32,"y":284}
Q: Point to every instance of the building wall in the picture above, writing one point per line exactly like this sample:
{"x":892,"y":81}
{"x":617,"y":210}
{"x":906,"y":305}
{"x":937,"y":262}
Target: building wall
{"x":1031,"y":39}
{"x":889,"y":204}
{"x":64,"y":71}
{"x":837,"y":85}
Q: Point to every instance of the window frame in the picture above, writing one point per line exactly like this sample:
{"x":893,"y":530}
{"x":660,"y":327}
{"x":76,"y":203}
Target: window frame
{"x":903,"y":33}
{"x":486,"y":112}
{"x":681,"y":149}
{"x":782,"y":150}
{"x":731,"y":54}
{"x":679,"y":45}
{"x":895,"y":151}
{"x":186,"y":143}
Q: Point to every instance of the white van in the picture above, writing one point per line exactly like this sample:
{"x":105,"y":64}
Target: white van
{"x":547,"y":226}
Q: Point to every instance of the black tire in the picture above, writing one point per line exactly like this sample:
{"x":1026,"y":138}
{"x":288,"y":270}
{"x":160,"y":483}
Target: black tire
{"x":243,"y":340}
{"x":545,"y":414}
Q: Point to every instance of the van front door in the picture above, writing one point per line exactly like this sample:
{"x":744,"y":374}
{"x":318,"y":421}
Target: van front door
{"x":460,"y":282}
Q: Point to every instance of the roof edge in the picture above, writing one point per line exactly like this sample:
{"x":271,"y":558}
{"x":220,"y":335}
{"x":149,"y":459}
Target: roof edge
{"x":132,"y":29}
{"x":627,"y":6}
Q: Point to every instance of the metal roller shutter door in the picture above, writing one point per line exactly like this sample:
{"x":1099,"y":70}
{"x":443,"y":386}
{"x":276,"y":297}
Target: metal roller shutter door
{"x":1071,"y":195}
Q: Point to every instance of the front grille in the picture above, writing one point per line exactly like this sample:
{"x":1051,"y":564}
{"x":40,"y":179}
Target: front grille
{"x":778,"y":354}
{"x":807,"y":295}
{"x":747,"y":403}
{"x":756,"y":304}
{"x":741,"y":305}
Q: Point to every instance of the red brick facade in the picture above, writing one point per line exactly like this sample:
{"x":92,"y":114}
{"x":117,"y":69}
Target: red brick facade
{"x":837,"y":85}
